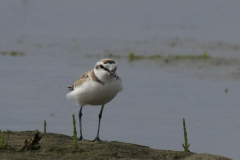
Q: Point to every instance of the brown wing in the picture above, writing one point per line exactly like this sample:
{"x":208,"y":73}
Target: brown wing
{"x":80,"y":81}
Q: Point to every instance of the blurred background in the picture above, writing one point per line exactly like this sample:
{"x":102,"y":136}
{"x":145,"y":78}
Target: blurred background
{"x":177,"y":59}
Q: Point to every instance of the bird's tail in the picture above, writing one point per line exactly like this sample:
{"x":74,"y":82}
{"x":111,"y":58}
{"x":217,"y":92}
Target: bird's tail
{"x":69,"y":95}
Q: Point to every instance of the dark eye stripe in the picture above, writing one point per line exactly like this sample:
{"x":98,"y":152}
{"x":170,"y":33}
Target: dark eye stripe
{"x":101,"y":66}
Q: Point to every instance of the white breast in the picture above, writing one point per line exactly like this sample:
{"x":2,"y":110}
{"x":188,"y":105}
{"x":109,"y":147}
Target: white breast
{"x":94,"y":93}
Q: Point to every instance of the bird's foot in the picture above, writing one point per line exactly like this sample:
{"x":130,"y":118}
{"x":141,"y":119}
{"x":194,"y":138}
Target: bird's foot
{"x":97,"y":139}
{"x":81,"y":139}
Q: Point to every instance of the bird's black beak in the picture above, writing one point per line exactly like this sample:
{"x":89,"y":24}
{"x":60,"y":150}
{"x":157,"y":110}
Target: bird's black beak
{"x":113,"y":73}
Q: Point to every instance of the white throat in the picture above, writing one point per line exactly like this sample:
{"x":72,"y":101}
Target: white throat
{"x":104,"y":76}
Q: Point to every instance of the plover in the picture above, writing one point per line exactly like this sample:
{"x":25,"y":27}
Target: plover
{"x":96,"y":87}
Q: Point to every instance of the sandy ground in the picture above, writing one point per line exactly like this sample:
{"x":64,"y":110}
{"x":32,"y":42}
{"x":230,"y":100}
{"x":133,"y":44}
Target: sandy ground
{"x":58,"y":146}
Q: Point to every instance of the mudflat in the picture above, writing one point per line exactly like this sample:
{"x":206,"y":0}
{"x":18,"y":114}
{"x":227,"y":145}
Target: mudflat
{"x":58,"y":146}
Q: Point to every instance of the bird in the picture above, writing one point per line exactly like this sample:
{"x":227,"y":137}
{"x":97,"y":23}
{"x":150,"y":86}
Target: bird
{"x":96,"y":87}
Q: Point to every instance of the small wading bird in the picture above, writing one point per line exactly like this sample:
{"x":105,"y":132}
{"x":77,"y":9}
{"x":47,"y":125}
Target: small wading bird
{"x":96,"y":87}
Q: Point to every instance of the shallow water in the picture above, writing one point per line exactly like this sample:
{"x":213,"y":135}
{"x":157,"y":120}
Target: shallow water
{"x":156,"y":95}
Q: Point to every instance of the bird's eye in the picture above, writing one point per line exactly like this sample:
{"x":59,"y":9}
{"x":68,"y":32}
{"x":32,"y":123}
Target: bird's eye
{"x":101,"y":66}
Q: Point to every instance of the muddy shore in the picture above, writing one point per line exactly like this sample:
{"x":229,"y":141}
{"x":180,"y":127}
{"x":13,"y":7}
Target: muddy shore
{"x":58,"y":146}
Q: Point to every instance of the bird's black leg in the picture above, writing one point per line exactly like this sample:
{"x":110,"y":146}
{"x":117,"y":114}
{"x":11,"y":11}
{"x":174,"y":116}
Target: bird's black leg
{"x":80,"y":124}
{"x":99,"y":116}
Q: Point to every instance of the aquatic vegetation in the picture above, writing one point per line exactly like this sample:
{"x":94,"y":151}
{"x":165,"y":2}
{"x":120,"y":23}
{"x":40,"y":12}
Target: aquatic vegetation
{"x":206,"y":55}
{"x":155,"y":56}
{"x":12,"y":53}
{"x":203,"y":56}
{"x":75,"y":145}
{"x":110,"y":55}
{"x":2,"y":140}
{"x":132,"y":56}
{"x":186,"y":144}
{"x":45,"y":126}
{"x":226,"y":90}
